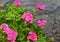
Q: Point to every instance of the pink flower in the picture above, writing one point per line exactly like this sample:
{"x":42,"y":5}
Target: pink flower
{"x":17,"y":3}
{"x":12,"y":35}
{"x":32,"y":36}
{"x":41,"y":22}
{"x":13,"y":41}
{"x":28,"y":17}
{"x":6,"y":30}
{"x":40,"y":6}
{"x":5,"y":27}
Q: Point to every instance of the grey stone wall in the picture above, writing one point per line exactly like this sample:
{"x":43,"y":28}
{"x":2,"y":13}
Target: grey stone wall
{"x":51,"y":14}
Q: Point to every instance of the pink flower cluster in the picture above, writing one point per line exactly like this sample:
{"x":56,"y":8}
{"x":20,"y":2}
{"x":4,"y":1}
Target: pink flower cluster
{"x":17,"y":3}
{"x":40,"y":6}
{"x":28,"y":17}
{"x":41,"y":22}
{"x":32,"y":36}
{"x":11,"y":34}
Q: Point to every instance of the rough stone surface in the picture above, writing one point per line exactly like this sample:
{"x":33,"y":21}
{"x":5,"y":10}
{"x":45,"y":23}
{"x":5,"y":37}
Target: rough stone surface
{"x":53,"y":17}
{"x":50,"y":4}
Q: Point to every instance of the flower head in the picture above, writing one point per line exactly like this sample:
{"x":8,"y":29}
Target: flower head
{"x":41,"y":22}
{"x":17,"y":3}
{"x":5,"y":27}
{"x":32,"y":36}
{"x":40,"y":6}
{"x":12,"y":35}
{"x":28,"y":17}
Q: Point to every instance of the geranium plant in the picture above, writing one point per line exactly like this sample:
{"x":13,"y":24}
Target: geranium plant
{"x":17,"y":24}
